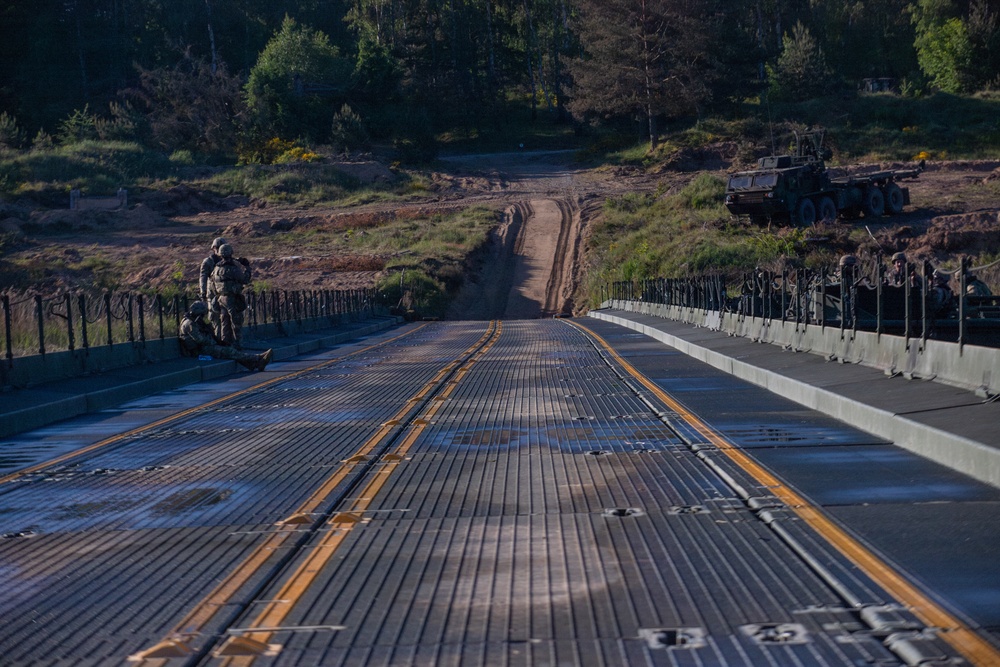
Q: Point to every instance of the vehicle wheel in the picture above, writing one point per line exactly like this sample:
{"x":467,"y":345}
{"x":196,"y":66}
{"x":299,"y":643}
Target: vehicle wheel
{"x":874,"y":203}
{"x":807,"y":212}
{"x":893,"y":195}
{"x":827,"y":210}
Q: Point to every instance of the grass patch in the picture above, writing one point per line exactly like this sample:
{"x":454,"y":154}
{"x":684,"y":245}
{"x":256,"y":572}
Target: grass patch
{"x":94,"y":167}
{"x":688,"y":233}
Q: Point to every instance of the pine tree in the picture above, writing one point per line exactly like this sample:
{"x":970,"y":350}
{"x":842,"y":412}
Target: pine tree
{"x":643,"y":58}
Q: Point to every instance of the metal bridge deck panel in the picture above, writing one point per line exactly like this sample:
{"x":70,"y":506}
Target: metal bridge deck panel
{"x":581,"y":579}
{"x":909,"y":510}
{"x":493,"y":532}
{"x":490,"y":541}
{"x":870,"y":475}
{"x":929,"y":533}
{"x":174,"y":496}
{"x":84,"y":597}
{"x":541,"y":481}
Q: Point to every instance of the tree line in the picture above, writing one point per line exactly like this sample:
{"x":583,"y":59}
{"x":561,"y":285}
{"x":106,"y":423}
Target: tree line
{"x":209,"y":75}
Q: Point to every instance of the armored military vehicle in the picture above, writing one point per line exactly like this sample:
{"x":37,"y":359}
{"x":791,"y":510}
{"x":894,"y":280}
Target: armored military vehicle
{"x":797,"y":189}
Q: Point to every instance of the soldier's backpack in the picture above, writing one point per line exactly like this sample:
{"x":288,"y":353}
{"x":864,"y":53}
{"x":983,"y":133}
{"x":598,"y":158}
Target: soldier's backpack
{"x":229,"y":278}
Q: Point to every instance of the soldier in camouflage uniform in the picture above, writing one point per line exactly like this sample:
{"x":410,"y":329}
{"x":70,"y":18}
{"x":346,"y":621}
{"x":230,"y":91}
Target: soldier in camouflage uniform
{"x":229,"y":277}
{"x":197,"y":337}
{"x":205,"y":283}
{"x":975,"y":287}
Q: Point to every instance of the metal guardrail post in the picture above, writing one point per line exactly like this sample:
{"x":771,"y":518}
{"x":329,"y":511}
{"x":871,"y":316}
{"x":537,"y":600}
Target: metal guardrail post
{"x":159,"y":312}
{"x":962,"y":296}
{"x":82,"y":304}
{"x":879,"y":299}
{"x":854,"y":309}
{"x":7,"y":330}
{"x":802,"y":308}
{"x":925,"y":321}
{"x":142,"y":318}
{"x":107,"y":315}
{"x":907,"y":306}
{"x":843,"y":303}
{"x":41,"y":325}
{"x":784,"y":293}
{"x":128,"y":317}
{"x":71,"y":342}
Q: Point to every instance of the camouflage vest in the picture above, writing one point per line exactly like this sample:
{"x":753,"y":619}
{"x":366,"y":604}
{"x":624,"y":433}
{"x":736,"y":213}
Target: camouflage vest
{"x":228,"y":278}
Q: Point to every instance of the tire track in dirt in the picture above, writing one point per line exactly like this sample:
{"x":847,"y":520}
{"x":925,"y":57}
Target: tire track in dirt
{"x":542,"y":259}
{"x":561,"y":284}
{"x":530,"y":270}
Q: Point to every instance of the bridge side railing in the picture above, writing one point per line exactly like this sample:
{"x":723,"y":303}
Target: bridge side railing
{"x":36,"y":324}
{"x":846,"y":300}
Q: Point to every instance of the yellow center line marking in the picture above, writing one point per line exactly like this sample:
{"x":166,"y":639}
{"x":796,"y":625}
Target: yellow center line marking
{"x":190,"y":411}
{"x":964,"y":640}
{"x":202,"y":613}
{"x":274,"y":614}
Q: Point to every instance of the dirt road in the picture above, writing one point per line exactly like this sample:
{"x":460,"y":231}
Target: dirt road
{"x":530,"y":271}
{"x":532,"y":268}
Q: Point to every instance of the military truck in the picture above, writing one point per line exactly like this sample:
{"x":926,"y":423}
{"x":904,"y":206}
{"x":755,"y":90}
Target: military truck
{"x":797,"y":189}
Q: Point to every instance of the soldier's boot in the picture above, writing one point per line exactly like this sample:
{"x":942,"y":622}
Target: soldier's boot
{"x":250,"y":363}
{"x":264,"y":359}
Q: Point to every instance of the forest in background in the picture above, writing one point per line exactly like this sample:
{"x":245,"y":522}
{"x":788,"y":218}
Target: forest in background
{"x":262,"y":81}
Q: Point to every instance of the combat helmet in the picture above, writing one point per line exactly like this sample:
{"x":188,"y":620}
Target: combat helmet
{"x":848,"y":260}
{"x":198,"y":308}
{"x":225,"y":251}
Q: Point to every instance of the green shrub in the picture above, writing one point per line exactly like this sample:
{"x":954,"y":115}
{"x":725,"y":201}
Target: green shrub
{"x":78,"y":126}
{"x":630,"y":202}
{"x":414,"y":293}
{"x":349,"y":133}
{"x":705,"y":191}
{"x":11,"y":136}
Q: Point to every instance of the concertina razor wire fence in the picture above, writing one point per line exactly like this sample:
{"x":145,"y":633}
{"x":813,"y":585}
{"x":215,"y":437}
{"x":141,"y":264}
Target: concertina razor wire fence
{"x":35,"y":324}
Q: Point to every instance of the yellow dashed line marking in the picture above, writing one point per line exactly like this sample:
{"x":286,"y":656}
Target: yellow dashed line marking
{"x":275,"y":611}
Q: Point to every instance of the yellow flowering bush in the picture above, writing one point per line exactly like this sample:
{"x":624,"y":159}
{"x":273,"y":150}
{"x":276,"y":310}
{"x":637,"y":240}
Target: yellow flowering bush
{"x":277,"y":151}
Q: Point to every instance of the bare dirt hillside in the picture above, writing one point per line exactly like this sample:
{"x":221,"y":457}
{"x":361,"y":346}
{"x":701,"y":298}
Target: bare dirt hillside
{"x":532,"y":266}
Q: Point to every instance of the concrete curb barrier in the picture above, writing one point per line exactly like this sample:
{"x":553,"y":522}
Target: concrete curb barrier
{"x":970,"y":367}
{"x":976,"y":459}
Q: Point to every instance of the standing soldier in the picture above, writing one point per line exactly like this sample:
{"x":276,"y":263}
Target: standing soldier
{"x":205,"y":283}
{"x":228,"y":279}
{"x":899,"y":273}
